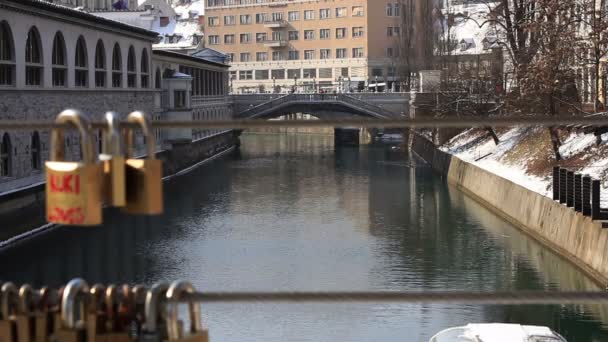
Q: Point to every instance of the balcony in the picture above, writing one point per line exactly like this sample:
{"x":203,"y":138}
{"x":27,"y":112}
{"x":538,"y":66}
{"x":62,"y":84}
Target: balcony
{"x":275,"y":24}
{"x":275,"y":43}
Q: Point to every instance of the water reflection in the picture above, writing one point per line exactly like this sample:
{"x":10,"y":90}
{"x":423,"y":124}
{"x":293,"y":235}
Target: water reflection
{"x":293,"y":213}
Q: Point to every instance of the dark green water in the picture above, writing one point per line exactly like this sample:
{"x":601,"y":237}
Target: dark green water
{"x":291,"y":213}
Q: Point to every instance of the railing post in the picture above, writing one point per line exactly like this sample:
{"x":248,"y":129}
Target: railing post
{"x":578,"y":194}
{"x":570,"y":189}
{"x":562,"y":186}
{"x":556,"y":183}
{"x":586,"y":196}
{"x":595,"y":200}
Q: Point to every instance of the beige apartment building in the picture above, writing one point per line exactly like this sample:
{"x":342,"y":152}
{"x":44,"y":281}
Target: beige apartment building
{"x":340,"y":45}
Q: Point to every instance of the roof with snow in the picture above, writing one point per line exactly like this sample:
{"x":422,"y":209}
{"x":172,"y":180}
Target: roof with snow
{"x":178,"y":55}
{"x":161,"y":6}
{"x":78,"y":14}
{"x":465,"y":19}
{"x":212,"y":55}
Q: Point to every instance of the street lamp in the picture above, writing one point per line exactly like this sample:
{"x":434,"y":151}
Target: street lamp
{"x":340,"y":89}
{"x":232,"y":84}
{"x":314,"y":85}
{"x":295,"y":83}
{"x":376,"y":83}
{"x":274,"y":84}
{"x":349,"y":84}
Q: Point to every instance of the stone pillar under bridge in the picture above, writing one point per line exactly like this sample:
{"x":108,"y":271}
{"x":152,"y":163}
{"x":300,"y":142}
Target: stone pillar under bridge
{"x":346,"y":136}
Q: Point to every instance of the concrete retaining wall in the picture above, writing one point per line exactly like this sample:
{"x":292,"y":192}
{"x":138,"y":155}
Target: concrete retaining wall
{"x":573,"y":236}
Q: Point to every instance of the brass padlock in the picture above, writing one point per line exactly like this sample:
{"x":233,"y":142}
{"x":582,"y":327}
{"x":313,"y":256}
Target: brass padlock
{"x":113,"y":161}
{"x":154,"y":329}
{"x":96,"y":316}
{"x":9,"y":303}
{"x":73,"y":189}
{"x":196,"y":332}
{"x":44,"y":324}
{"x":117,"y":311}
{"x":73,"y":300}
{"x":144,"y":176}
{"x":26,"y":318}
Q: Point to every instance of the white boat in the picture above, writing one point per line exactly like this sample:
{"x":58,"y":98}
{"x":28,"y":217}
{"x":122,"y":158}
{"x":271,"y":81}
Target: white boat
{"x":498,"y":332}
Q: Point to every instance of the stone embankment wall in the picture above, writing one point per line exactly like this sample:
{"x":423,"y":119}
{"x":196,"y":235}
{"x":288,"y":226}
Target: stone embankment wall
{"x":570,"y":234}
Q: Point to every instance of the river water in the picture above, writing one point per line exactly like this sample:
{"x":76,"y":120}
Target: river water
{"x":291,"y":212}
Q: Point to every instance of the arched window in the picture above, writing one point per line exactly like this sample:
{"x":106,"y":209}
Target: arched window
{"x":5,"y":156}
{"x":60,"y":66}
{"x":145,"y":70}
{"x":36,"y":152}
{"x":7,"y":55}
{"x":116,"y":67}
{"x":157,"y":79}
{"x":131,"y":71}
{"x":100,"y":65}
{"x":81,"y":75}
{"x":33,"y":58}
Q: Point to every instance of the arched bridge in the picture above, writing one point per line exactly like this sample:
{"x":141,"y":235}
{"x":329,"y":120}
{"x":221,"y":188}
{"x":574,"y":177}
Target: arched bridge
{"x":323,"y":106}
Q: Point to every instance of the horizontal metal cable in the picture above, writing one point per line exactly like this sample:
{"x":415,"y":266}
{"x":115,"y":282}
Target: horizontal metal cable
{"x":454,"y":122}
{"x":447,"y":297}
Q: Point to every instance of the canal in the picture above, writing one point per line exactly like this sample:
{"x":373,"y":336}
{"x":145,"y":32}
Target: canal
{"x":290,"y":212}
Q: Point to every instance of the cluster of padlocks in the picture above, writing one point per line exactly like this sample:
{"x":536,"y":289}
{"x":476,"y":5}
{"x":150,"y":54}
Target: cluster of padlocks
{"x":77,"y":191}
{"x":79,"y":313}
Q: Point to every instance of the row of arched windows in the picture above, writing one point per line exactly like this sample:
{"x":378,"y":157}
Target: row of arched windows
{"x":34,"y":62}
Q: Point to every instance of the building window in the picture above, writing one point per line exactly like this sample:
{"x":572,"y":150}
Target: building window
{"x":324,"y":72}
{"x":245,"y":38}
{"x":391,"y":72}
{"x":309,"y":15}
{"x":228,"y":39}
{"x":35,"y":151}
{"x":340,"y":12}
{"x":324,"y":33}
{"x":179,"y":99}
{"x":33,"y":58}
{"x":157,"y":79}
{"x":145,"y":69}
{"x":277,"y":36}
{"x":293,"y":55}
{"x":344,"y":72}
{"x":261,"y":56}
{"x":389,"y":10}
{"x":309,"y":73}
{"x":116,"y":67}
{"x":309,"y":54}
{"x":392,"y":52}
{"x":261,"y":18}
{"x":100,"y":65}
{"x":278,"y":74}
{"x":341,"y":33}
{"x":245,"y":19}
{"x":341,"y":53}
{"x":245,"y":57}
{"x":377,"y":72}
{"x":325,"y":53}
{"x":277,"y":16}
{"x":277,"y":56}
{"x":293,"y":73}
{"x":392,"y":31}
{"x":60,"y":67}
{"x":324,"y":13}
{"x":245,"y":75}
{"x":358,"y":11}
{"x":260,"y":37}
{"x":293,"y":16}
{"x":358,"y":32}
{"x":214,"y":40}
{"x":396,"y":10}
{"x":309,"y":34}
{"x":81,"y":73}
{"x":261,"y":74}
{"x":5,"y":156}
{"x":131,"y":69}
{"x":293,"y":35}
{"x":229,"y":20}
{"x":7,"y":55}
{"x":358,"y":53}
{"x":213,"y":21}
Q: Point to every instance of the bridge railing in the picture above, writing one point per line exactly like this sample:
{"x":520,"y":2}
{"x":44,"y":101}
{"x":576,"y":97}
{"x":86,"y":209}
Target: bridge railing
{"x":265,"y":106}
{"x":366,"y":105}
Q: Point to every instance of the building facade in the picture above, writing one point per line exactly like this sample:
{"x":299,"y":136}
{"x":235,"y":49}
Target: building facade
{"x":337,"y":45}
{"x":54,"y":57}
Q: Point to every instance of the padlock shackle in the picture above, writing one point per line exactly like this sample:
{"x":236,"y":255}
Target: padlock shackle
{"x":96,"y":297}
{"x":110,"y":136}
{"x":140,"y":119}
{"x":26,"y":299}
{"x":153,"y":302}
{"x":10,"y":299}
{"x":75,"y":288}
{"x":174,"y":294}
{"x":79,"y":121}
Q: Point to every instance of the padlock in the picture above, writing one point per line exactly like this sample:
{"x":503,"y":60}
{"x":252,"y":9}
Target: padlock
{"x":26,"y":317}
{"x":9,"y":305}
{"x":44,"y":320}
{"x":96,"y":315}
{"x":196,"y":332}
{"x":73,"y":300}
{"x":113,"y":161}
{"x":139,"y":299}
{"x":73,"y":189}
{"x":154,"y":329}
{"x":144,"y":176}
{"x":116,"y":327}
